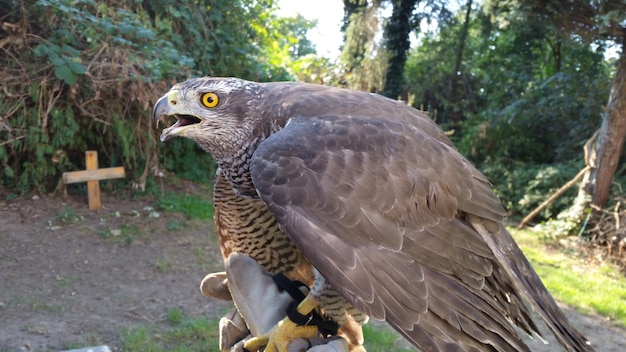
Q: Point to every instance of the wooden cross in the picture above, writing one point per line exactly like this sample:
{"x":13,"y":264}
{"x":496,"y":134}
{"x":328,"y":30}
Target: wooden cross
{"x":92,"y":176}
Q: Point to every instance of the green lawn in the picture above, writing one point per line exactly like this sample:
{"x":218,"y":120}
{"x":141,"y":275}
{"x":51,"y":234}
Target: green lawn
{"x":588,"y":285}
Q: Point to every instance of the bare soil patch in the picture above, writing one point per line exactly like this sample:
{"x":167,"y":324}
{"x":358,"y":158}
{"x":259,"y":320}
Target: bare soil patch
{"x":71,"y":276}
{"x":68,"y":274}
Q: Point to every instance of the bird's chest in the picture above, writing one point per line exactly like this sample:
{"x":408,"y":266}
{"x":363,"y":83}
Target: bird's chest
{"x":245,"y":225}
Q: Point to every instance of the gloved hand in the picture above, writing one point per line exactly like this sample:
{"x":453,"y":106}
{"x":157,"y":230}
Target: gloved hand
{"x":259,"y":305}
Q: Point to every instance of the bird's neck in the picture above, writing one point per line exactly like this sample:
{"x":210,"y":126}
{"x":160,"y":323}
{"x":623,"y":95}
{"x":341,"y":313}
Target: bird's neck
{"x":236,"y":169}
{"x":236,"y":166}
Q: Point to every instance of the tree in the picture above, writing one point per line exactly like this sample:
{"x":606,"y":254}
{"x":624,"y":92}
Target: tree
{"x":64,"y":62}
{"x":397,"y":44}
{"x":610,"y":139}
{"x":362,"y":58}
{"x":457,"y":72}
{"x":350,"y":8}
{"x":596,"y":21}
{"x":514,"y":75}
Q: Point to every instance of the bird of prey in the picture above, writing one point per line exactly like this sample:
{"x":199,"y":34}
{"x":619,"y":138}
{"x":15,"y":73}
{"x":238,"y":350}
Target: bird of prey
{"x":375,"y":196}
{"x":245,"y":225}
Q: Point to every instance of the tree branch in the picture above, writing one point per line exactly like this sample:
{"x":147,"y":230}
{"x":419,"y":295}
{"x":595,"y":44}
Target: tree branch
{"x":554,"y":196}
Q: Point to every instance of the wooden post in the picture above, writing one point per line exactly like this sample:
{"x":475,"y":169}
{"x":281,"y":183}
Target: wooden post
{"x":92,"y":176}
{"x":93,"y":187}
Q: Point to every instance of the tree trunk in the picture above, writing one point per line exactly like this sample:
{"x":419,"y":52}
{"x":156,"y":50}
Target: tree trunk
{"x":350,"y":7}
{"x":457,"y":73}
{"x":610,"y":140}
{"x":397,"y":43}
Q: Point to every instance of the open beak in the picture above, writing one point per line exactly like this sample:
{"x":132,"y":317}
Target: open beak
{"x":161,"y":109}
{"x":164,"y":108}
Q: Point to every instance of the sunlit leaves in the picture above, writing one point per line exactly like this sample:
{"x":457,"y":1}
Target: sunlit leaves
{"x":527,"y":93}
{"x":68,"y":66}
{"x":117,"y":56}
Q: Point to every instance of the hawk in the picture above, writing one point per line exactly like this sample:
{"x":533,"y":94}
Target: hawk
{"x":376,"y":198}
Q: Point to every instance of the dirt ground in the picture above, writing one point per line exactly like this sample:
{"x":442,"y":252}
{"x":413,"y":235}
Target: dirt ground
{"x":70,"y":275}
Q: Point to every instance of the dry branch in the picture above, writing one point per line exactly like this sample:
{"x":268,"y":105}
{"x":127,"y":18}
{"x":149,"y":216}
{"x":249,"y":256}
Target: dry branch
{"x":554,"y":196}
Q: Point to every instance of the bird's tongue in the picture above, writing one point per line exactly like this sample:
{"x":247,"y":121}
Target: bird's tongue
{"x":170,"y":132}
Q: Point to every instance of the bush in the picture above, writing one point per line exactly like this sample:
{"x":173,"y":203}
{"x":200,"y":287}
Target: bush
{"x":84,"y":74}
{"x":550,"y":123}
{"x":79,"y":75}
{"x":522,"y":186}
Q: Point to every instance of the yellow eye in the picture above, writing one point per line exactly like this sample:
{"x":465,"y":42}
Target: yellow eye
{"x":210,"y":99}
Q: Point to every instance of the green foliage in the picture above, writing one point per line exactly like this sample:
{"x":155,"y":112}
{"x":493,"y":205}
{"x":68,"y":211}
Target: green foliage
{"x":397,"y":44}
{"x":188,"y":160}
{"x":68,"y":216}
{"x":530,"y":95}
{"x":589,"y":19}
{"x":363,"y":58}
{"x":176,"y":316}
{"x":522,"y":186}
{"x":87,"y":25}
{"x":527,"y":91}
{"x":314,"y":69}
{"x":83,"y":74}
{"x":550,"y":120}
{"x":85,"y":56}
{"x":429,"y":70}
{"x":383,"y":338}
{"x":68,"y":65}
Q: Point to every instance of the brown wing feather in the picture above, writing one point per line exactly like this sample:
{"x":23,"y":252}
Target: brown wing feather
{"x":380,"y":208}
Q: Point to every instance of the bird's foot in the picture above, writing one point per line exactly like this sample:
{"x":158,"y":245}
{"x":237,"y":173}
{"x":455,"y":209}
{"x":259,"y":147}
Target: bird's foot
{"x":279,"y":338}
{"x":286,"y":331}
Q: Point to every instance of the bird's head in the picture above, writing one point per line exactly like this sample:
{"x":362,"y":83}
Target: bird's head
{"x":214,"y":112}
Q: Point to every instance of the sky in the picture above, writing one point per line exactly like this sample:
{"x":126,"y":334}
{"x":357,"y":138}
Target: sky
{"x":327,"y":36}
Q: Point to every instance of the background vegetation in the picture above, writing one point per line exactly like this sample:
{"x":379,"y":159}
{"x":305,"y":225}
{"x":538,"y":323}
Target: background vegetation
{"x":520,"y":87}
{"x":518,"y":92}
{"x":82,"y":74}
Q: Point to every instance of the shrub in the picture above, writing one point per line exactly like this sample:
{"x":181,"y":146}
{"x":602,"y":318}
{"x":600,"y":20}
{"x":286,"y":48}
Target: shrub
{"x":522,"y":186}
{"x":83,"y":74}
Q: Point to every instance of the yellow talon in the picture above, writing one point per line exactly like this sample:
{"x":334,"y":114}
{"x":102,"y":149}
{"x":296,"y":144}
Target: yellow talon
{"x":278,"y":339}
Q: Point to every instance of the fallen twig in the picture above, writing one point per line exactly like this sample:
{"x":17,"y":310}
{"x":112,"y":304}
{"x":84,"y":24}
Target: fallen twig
{"x":554,"y":196}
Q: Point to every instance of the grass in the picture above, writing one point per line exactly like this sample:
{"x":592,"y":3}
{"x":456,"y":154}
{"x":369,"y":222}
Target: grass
{"x":589,"y":287}
{"x":383,"y":338}
{"x":192,"y":206}
{"x":68,"y":216}
{"x":163,"y":264}
{"x":185,"y":334}
{"x":181,"y":334}
{"x":569,"y":278}
{"x":126,"y":233}
{"x":175,"y":225}
{"x":91,"y":339}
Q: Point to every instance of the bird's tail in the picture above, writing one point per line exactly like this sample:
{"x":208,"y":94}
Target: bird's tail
{"x":528,"y":284}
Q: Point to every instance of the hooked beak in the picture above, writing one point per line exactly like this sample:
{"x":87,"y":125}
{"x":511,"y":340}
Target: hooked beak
{"x":161,"y":109}
{"x":166,"y":106}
